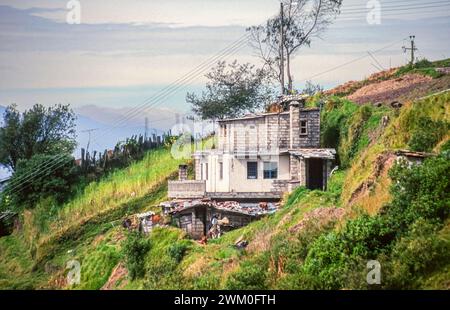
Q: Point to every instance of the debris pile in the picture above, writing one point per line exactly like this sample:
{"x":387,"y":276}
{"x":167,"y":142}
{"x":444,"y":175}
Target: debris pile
{"x":261,"y":208}
{"x":143,"y":222}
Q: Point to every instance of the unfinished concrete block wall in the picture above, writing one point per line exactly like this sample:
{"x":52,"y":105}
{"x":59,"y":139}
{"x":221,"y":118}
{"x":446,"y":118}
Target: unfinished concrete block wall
{"x":198,"y":169}
{"x":312,"y":138}
{"x":303,"y":171}
{"x":277,"y":131}
{"x":182,"y":172}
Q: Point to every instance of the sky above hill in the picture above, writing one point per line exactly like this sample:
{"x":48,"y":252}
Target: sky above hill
{"x":124,"y":52}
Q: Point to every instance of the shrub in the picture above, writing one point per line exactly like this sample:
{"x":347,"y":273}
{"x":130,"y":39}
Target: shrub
{"x":250,"y":276}
{"x":177,"y":251}
{"x":135,"y":249}
{"x":326,"y":265}
{"x":422,"y":191}
{"x":418,"y":253}
{"x":427,"y":133}
{"x":59,"y":183}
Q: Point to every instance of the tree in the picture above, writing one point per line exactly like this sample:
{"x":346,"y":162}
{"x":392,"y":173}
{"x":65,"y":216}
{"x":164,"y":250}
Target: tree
{"x":312,"y":89}
{"x":303,"y":20}
{"x":231,"y":91}
{"x":40,"y":130}
{"x":25,"y":188}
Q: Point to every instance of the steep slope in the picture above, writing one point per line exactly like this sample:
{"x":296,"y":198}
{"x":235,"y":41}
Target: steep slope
{"x":323,"y":240}
{"x":317,"y":240}
{"x":52,"y":235}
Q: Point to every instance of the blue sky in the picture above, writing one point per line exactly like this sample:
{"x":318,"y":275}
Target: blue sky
{"x":126,"y":51}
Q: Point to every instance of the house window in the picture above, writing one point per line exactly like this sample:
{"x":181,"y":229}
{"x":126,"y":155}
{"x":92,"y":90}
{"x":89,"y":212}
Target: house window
{"x":221,"y":171}
{"x":252,"y":170}
{"x":270,"y":170}
{"x":206,"y":171}
{"x":224,"y":130}
{"x":303,"y":127}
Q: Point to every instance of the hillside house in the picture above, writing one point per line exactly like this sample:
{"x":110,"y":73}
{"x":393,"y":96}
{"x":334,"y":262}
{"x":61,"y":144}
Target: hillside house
{"x":260,"y":157}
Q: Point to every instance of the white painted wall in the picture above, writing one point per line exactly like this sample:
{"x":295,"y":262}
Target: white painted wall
{"x":235,"y":173}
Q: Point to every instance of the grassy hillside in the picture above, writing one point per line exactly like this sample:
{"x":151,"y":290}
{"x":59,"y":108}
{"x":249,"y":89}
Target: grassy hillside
{"x":54,"y":234}
{"x":317,"y":240}
{"x":323,"y":240}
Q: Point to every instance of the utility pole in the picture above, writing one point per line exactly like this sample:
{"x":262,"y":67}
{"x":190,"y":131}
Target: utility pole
{"x":412,"y":49}
{"x":89,"y":131}
{"x":282,"y":46}
{"x":146,"y":128}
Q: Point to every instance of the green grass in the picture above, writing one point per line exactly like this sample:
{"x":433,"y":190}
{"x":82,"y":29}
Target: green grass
{"x":424,"y":67}
{"x":54,"y":234}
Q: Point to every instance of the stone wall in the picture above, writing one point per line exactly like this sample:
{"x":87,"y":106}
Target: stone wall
{"x":197,"y":221}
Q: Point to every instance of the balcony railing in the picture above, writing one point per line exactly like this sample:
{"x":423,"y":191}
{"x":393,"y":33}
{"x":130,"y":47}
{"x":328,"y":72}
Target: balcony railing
{"x":187,"y":189}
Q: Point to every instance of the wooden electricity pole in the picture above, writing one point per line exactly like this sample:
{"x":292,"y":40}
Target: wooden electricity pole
{"x":282,"y":47}
{"x":89,"y":131}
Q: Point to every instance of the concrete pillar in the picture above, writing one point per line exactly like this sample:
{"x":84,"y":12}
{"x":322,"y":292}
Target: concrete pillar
{"x":294,"y":124}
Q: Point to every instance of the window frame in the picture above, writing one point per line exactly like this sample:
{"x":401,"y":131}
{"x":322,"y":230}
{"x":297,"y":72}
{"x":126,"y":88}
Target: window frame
{"x":270,"y":174}
{"x":255,"y":177}
{"x":305,"y":127}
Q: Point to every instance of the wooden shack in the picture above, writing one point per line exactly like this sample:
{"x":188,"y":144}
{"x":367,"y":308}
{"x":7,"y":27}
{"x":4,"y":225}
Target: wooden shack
{"x":196,"y":220}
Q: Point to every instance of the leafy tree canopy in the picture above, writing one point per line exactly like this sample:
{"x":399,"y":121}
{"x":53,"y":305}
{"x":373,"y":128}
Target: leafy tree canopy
{"x":39,"y":130}
{"x":231,"y":91}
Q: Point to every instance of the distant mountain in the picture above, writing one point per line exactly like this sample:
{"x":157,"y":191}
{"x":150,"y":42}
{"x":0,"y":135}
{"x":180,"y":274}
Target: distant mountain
{"x":110,"y":125}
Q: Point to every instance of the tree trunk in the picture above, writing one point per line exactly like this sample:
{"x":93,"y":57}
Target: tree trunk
{"x":290,"y":81}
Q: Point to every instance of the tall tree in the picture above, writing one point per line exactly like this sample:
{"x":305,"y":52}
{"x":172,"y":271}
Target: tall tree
{"x":40,"y":130}
{"x":299,"y":23}
{"x":231,"y":91}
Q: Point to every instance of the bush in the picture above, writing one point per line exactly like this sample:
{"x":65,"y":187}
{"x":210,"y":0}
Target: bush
{"x":59,"y":183}
{"x":423,"y":67}
{"x":135,"y":249}
{"x":250,"y":276}
{"x":326,"y":265}
{"x":403,"y":234}
{"x":419,"y":253}
{"x":422,"y":191}
{"x":427,"y":133}
{"x":177,"y":251}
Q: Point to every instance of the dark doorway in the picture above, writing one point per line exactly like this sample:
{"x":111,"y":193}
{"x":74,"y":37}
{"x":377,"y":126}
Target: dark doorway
{"x":315,"y":174}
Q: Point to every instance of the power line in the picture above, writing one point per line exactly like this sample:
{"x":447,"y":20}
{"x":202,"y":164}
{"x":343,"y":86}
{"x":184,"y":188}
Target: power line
{"x":45,"y":168}
{"x":399,"y":11}
{"x":170,"y":89}
{"x":395,"y":7}
{"x":352,"y":61}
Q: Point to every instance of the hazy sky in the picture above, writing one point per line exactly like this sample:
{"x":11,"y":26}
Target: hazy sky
{"x":126,"y":51}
